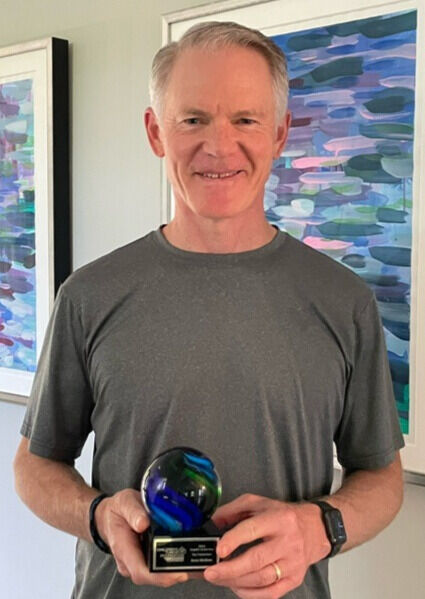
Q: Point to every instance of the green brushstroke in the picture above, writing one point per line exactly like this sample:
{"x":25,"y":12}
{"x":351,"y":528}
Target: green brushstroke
{"x":368,"y":167}
{"x":375,"y":27}
{"x":307,"y":42}
{"x":402,"y":396}
{"x":393,"y":256}
{"x":344,"y":29}
{"x":398,"y":131}
{"x":342,"y":67}
{"x":354,"y":260}
{"x":388,"y":215}
{"x":400,"y":166}
{"x":388,"y":149}
{"x":390,"y":100}
{"x":335,"y":229}
{"x":366,"y":209}
{"x":345,"y":189}
{"x":6,"y":168}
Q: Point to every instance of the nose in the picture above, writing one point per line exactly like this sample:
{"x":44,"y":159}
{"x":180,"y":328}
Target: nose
{"x":220,"y":139}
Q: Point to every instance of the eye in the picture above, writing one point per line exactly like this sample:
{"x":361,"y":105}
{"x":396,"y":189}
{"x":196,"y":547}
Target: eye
{"x":193,"y":120}
{"x":246,"y":121}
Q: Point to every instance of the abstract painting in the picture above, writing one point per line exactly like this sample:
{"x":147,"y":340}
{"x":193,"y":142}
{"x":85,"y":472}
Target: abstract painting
{"x":17,"y":226}
{"x":343,"y":184}
{"x":34,"y":198}
{"x":350,"y":182}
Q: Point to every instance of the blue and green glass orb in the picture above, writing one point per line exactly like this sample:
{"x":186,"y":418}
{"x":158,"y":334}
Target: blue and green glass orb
{"x":181,"y":490}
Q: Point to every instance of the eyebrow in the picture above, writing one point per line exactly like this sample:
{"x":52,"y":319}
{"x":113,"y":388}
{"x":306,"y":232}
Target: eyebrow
{"x":240,"y":113}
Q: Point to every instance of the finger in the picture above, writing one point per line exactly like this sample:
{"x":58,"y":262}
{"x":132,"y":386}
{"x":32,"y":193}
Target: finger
{"x":123,"y":570}
{"x":194,"y":575}
{"x":238,"y":509}
{"x":247,"y":531}
{"x":267,"y":576}
{"x":253,"y":560}
{"x":125,"y":547}
{"x":128,"y":554}
{"x":223,"y":518}
{"x":140,"y":574}
{"x":278,"y":589}
{"x":130,"y":507}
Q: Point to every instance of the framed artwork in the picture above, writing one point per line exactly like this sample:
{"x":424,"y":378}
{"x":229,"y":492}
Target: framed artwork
{"x":349,"y":182}
{"x":35,"y":252}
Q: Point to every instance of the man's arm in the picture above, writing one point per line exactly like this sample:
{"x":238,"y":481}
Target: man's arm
{"x":54,"y":491}
{"x":293,"y":535}
{"x":369,"y":500}
{"x":57,"y":494}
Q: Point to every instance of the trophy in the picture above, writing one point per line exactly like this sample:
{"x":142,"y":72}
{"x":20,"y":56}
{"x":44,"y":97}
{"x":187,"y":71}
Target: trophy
{"x":180,"y":491}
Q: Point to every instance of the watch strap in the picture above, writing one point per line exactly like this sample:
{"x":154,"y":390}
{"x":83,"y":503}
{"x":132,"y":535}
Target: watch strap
{"x":335,"y":543}
{"x":97,"y":539}
{"x":324,"y":506}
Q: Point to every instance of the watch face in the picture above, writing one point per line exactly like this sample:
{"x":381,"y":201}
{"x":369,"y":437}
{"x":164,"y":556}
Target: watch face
{"x":335,"y":527}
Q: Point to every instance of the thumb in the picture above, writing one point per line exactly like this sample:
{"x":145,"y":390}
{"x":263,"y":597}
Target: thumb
{"x":132,"y":510}
{"x":142,"y":522}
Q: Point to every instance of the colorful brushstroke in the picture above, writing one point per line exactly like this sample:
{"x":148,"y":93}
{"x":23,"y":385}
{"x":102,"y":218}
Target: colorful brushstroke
{"x":344,"y":182}
{"x":17,"y":227}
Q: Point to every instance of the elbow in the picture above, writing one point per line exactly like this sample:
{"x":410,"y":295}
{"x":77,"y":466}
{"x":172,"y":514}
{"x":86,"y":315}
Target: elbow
{"x":19,"y":462}
{"x":398,"y":484}
{"x":398,"y":498}
{"x":17,"y":475}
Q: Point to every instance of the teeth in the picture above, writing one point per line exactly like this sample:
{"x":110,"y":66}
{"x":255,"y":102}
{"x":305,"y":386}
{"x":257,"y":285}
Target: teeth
{"x":219,"y":175}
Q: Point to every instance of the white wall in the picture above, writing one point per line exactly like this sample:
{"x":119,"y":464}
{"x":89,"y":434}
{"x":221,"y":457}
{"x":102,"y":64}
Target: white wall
{"x":116,"y":183}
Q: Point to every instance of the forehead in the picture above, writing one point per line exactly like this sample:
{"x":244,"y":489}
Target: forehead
{"x":231,"y":74}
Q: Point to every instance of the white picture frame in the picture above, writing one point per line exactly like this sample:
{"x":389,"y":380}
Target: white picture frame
{"x":284,"y":16}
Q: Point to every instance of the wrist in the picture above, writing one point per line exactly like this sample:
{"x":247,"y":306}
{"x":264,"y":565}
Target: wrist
{"x":96,"y":520}
{"x":100,"y":520}
{"x":334,"y":525}
{"x":317,"y":544}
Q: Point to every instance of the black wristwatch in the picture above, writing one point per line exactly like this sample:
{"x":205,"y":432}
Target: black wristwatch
{"x":334,"y":525}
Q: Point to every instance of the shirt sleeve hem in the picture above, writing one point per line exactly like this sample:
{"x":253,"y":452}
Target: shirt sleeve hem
{"x":42,"y":450}
{"x":370,"y":462}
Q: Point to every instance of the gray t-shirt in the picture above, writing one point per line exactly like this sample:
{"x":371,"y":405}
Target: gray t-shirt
{"x":260,"y":359}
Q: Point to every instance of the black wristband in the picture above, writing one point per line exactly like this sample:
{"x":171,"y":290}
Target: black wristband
{"x":97,"y":539}
{"x":334,"y":526}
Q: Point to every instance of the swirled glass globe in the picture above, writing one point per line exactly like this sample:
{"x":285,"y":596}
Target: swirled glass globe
{"x":181,"y":489}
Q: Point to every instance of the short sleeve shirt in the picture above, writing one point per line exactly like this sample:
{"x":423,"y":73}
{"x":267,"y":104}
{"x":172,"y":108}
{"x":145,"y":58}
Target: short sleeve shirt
{"x":261,"y":359}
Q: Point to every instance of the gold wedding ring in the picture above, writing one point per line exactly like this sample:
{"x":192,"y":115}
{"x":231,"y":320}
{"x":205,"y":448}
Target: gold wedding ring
{"x":278,"y":571}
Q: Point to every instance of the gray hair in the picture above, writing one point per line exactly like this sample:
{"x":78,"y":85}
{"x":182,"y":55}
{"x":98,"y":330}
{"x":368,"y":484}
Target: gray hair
{"x":213,"y":35}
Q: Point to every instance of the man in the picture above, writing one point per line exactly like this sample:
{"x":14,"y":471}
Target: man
{"x":220,"y":332}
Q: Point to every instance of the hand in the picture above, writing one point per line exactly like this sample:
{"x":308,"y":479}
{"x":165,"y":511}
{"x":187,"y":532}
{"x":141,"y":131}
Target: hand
{"x":292,"y":535}
{"x":120,"y":520}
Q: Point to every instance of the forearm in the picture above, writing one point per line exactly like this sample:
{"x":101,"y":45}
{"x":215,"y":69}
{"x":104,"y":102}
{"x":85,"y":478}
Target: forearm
{"x":54,"y":491}
{"x":369,"y":500}
{"x":57,"y":494}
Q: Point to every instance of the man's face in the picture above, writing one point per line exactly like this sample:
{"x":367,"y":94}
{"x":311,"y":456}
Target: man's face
{"x":219,"y":119}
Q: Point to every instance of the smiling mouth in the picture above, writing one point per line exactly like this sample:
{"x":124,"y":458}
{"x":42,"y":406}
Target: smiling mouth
{"x":219,"y":177}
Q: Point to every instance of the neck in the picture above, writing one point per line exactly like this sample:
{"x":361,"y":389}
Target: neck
{"x":222,"y":236}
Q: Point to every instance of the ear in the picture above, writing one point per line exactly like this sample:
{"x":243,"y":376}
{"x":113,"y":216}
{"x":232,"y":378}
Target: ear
{"x":282,"y":135}
{"x":153,"y":131}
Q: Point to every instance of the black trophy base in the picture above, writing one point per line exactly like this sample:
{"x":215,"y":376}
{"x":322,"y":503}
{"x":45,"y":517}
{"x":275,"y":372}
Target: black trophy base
{"x":186,"y":552}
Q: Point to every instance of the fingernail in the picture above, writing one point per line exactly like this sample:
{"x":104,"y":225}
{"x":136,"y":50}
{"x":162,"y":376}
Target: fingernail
{"x":223,"y":550}
{"x":211,"y":574}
